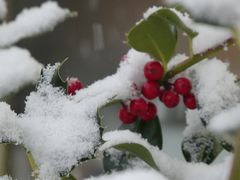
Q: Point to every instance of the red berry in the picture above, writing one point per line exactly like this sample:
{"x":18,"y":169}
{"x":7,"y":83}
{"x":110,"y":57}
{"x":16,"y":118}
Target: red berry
{"x":150,"y":113}
{"x":125,"y":116}
{"x":190,"y":101}
{"x":153,"y":70}
{"x":182,"y":86}
{"x":170,"y":98}
{"x":74,"y":85}
{"x":160,"y":92}
{"x":138,"y":107}
{"x":150,"y":89}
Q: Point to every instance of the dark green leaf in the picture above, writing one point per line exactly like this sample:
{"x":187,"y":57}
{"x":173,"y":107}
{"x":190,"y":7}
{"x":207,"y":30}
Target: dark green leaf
{"x":199,"y":148}
{"x":139,"y":151}
{"x":57,"y":79}
{"x":150,"y":130}
{"x":155,"y":36}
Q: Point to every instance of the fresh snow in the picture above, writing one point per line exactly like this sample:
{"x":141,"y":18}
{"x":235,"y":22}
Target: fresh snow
{"x":225,"y":12}
{"x":171,"y":168}
{"x":9,"y":131}
{"x":17,"y":68}
{"x":215,"y":87}
{"x":31,"y":22}
{"x":226,"y":121}
{"x":138,"y":174}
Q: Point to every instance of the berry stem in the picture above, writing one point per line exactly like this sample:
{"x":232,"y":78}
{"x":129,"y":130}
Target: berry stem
{"x":197,"y":58}
{"x":32,"y":163}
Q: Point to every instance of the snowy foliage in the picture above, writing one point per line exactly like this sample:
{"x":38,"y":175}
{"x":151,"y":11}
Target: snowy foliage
{"x":17,"y":68}
{"x":170,"y":167}
{"x":226,"y":12}
{"x":31,"y":22}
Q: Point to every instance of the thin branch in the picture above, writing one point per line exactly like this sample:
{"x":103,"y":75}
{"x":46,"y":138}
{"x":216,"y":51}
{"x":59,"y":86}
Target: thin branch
{"x":197,"y":58}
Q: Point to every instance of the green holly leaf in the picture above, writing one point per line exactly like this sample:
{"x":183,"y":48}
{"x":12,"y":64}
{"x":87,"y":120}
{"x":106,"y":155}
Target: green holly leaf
{"x":150,"y":130}
{"x":139,"y":151}
{"x":199,"y":148}
{"x":155,"y":36}
{"x":57,"y":79}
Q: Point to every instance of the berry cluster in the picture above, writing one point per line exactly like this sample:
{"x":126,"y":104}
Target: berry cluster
{"x":168,"y":93}
{"x":73,"y":85}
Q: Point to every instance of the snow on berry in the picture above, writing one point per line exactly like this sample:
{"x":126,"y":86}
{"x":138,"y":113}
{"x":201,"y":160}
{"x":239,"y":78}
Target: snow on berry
{"x":170,"y":98}
{"x":150,"y":113}
{"x":74,"y":85}
{"x":153,"y":71}
{"x":182,"y":86}
{"x":125,"y":116}
{"x":138,"y":107}
{"x":150,"y":89}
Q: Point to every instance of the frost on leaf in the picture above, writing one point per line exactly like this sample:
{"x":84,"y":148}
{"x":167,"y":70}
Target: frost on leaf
{"x":17,"y":68}
{"x":31,"y":22}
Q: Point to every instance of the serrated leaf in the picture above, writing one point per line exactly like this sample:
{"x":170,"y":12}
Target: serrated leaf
{"x":155,"y":36}
{"x":139,"y":151}
{"x":199,"y":148}
{"x":174,"y":19}
{"x":57,"y":79}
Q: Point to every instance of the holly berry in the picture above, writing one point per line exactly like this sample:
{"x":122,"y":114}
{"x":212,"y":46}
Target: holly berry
{"x":150,"y":89}
{"x":170,"y":98}
{"x":153,"y":70}
{"x":74,"y":85}
{"x":125,"y":116}
{"x":182,"y":86}
{"x":190,"y":101}
{"x":138,"y":107}
{"x":150,"y":113}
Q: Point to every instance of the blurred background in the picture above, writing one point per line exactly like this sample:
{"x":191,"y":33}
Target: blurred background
{"x":94,"y":43}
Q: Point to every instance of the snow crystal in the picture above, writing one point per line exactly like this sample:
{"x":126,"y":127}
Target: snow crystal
{"x":3,"y":9}
{"x":226,"y":121}
{"x":179,"y":58}
{"x":170,"y":167}
{"x":139,"y":174}
{"x":226,"y":12}
{"x":31,"y":22}
{"x":9,"y":131}
{"x":5,"y":177}
{"x":215,"y":88}
{"x":17,"y":68}
{"x":58,"y":131}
